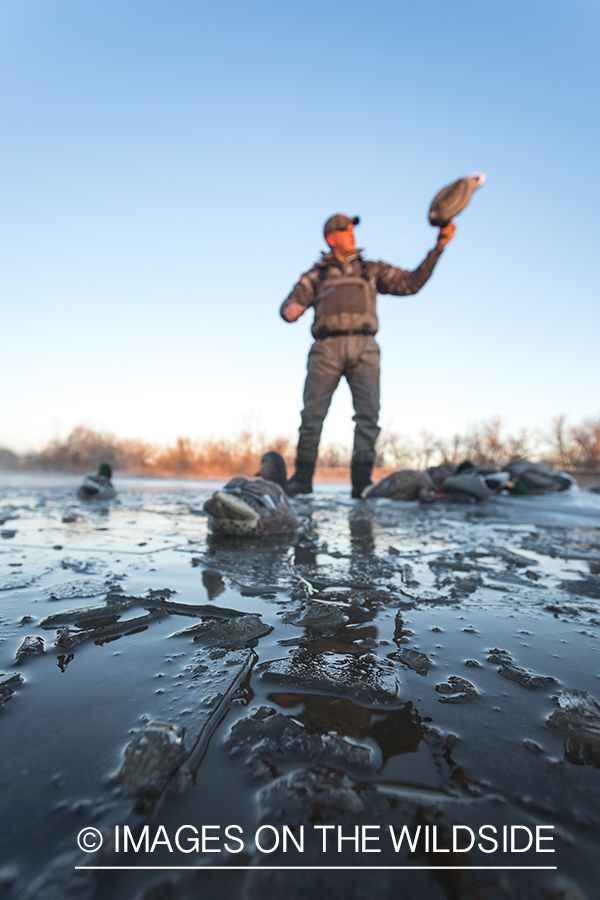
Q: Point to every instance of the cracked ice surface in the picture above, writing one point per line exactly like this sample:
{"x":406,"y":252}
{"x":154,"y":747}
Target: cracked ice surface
{"x":312,"y":695}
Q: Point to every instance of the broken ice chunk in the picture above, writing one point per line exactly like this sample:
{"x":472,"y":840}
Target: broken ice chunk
{"x":149,"y":760}
{"x":584,"y":587}
{"x":578,"y":719}
{"x":527,"y":679}
{"x":86,"y":616}
{"x":83,"y":566}
{"x":32,"y":645}
{"x":499,"y":657}
{"x":269,"y":741}
{"x":8,"y":685}
{"x":456,"y":690}
{"x":420,"y":662}
{"x":318,"y":618}
{"x":67,"y":639}
{"x":365,"y":678}
{"x":74,"y":590}
{"x":229,"y":633}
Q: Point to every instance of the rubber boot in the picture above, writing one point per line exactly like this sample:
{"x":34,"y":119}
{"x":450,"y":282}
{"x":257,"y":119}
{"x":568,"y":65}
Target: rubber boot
{"x":361,"y":477}
{"x":301,"y":480}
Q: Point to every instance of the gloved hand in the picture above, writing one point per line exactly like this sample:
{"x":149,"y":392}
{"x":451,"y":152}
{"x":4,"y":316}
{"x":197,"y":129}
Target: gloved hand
{"x":293,"y":311}
{"x":446,"y":234}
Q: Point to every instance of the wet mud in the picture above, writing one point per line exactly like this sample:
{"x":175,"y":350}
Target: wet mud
{"x":338,"y":708}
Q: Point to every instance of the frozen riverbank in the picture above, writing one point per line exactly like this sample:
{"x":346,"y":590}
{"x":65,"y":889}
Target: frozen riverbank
{"x":387,"y":678}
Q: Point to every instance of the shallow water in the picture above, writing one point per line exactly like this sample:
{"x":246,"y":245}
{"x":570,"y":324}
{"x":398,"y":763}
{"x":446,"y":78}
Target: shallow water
{"x":354,"y":730}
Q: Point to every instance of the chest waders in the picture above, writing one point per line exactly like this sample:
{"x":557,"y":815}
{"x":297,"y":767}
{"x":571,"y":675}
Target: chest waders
{"x":344,"y":328}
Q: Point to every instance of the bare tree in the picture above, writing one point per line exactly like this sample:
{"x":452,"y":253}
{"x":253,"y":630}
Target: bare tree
{"x":586,"y":441}
{"x":574,"y":448}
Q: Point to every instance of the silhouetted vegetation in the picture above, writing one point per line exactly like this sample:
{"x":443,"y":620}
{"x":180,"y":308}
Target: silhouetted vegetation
{"x":483,"y":442}
{"x":571,"y":448}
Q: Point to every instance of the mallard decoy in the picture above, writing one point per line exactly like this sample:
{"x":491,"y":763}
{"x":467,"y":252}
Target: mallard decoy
{"x":408,"y":484}
{"x":254,"y":507}
{"x":453,"y":198}
{"x":97,"y":487}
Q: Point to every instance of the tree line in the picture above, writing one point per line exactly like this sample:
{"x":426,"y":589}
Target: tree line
{"x":574,"y":448}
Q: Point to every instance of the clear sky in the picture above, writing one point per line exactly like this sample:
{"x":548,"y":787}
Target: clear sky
{"x":167,"y":165}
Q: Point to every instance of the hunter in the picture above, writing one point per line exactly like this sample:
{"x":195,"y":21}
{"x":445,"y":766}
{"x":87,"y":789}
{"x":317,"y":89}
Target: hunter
{"x":342,"y":287}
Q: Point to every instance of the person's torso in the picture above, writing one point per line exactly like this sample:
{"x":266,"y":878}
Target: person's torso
{"x":345,"y":300}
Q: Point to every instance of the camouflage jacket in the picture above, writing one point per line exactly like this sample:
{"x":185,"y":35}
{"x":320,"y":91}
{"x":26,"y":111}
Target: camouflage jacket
{"x":383,"y":278}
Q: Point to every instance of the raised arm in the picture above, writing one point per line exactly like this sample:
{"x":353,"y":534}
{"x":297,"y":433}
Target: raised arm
{"x":391,"y":280}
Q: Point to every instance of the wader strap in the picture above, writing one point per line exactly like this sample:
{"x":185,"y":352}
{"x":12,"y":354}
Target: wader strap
{"x":364,"y":272}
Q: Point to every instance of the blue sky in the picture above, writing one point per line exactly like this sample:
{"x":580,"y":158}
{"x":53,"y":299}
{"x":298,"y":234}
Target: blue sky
{"x":167,"y":167}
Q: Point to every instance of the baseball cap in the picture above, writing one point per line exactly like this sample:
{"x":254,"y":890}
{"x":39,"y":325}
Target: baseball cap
{"x":339,"y":222}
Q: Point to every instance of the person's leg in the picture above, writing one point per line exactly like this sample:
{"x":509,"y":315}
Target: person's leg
{"x":323,"y":375}
{"x":363,"y":378}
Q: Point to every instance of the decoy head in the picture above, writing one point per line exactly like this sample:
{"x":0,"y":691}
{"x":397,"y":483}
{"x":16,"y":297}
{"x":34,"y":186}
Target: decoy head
{"x":273,"y":468}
